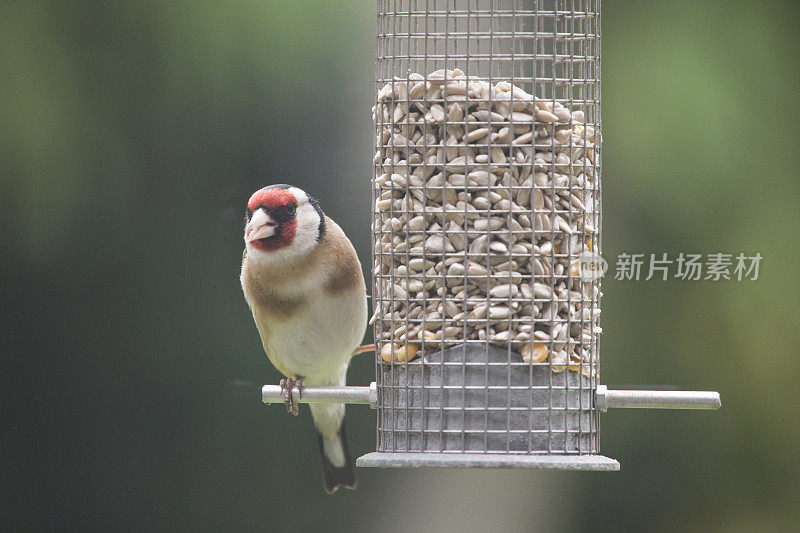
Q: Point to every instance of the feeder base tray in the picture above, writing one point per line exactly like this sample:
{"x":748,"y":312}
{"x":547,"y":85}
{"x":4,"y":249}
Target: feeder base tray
{"x":480,"y":460}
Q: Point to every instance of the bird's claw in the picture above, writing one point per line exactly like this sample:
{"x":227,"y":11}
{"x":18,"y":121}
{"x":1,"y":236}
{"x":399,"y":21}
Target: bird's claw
{"x":286,"y":387}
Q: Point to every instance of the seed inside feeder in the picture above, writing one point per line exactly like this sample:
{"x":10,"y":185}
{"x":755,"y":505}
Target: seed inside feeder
{"x":485,"y":203}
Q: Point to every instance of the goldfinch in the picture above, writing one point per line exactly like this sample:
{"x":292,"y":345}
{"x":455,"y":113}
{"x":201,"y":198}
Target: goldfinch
{"x":302,"y":280}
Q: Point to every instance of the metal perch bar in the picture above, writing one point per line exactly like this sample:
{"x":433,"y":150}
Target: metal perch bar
{"x":656,"y":399}
{"x":604,"y":398}
{"x":355,"y":395}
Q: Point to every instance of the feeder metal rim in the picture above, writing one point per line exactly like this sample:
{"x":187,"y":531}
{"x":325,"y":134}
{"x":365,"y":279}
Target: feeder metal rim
{"x":482,"y":460}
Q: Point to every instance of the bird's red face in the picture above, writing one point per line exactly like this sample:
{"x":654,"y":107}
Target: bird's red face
{"x":271,"y":222}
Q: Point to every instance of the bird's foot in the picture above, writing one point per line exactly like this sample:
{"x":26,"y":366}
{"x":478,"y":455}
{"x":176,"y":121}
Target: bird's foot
{"x":295,"y":407}
{"x":286,"y":386}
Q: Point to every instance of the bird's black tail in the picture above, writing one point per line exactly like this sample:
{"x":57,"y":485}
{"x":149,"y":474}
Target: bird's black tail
{"x":332,"y":451}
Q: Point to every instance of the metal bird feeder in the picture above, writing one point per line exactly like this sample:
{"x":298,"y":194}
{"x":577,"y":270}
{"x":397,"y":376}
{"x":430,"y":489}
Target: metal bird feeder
{"x":486,"y":239}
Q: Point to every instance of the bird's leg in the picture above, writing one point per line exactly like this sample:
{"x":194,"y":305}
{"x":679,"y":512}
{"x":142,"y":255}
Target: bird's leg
{"x":286,"y":387}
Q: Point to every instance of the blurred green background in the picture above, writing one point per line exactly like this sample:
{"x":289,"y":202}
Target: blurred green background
{"x":131,"y":135}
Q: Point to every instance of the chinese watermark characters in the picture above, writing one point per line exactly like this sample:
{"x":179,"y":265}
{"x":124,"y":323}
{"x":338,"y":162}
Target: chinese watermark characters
{"x":689,"y":267}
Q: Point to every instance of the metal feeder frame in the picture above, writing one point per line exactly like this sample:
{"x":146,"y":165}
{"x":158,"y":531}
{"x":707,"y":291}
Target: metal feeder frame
{"x":473,"y":403}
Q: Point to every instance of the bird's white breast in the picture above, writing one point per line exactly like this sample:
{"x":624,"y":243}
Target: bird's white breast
{"x":317,"y":340}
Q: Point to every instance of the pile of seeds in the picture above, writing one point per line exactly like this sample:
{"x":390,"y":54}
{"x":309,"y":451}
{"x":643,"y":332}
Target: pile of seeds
{"x":485,"y":208}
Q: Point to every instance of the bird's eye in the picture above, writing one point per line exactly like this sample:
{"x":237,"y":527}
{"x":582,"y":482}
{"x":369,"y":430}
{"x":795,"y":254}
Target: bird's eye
{"x":290,"y":209}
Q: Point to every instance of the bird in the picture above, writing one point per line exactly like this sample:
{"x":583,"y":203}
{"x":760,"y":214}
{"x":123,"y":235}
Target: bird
{"x":302,"y":280}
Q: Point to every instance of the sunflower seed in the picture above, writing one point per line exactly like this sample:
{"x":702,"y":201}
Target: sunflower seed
{"x":485,"y":197}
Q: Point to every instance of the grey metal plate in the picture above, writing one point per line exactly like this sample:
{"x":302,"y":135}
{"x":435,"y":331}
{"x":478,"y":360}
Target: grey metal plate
{"x":480,"y":460}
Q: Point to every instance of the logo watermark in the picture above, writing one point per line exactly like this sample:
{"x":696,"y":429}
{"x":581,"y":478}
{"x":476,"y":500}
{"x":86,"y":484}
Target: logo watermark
{"x":590,"y":266}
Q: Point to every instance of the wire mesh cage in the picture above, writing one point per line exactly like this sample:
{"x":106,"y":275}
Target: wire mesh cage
{"x":486,"y":231}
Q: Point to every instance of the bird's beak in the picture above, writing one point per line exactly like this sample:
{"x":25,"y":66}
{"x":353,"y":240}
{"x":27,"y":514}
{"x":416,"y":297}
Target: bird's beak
{"x":261,"y":226}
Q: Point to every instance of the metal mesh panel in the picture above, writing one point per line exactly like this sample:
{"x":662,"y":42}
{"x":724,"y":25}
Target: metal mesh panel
{"x":486,"y":203}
